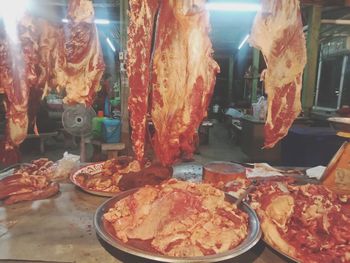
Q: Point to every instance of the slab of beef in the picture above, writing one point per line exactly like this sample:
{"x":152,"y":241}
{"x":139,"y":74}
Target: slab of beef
{"x":182,"y":75}
{"x":278,"y":32}
{"x":140,"y":31}
{"x":79,"y":64}
{"x":18,"y":67}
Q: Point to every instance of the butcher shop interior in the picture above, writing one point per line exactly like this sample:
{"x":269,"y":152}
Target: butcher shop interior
{"x":175,"y":131}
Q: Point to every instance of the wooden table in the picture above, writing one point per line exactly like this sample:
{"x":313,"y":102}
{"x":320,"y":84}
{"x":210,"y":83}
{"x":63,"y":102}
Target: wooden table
{"x":60,"y":229}
{"x":41,"y":136}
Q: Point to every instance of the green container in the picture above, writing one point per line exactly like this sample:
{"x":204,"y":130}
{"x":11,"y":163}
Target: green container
{"x":97,"y":127}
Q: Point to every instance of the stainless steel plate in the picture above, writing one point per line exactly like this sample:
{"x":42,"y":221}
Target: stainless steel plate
{"x":188,"y":171}
{"x":278,"y":250}
{"x":341,"y":124}
{"x":90,"y":169}
{"x":254,"y":234}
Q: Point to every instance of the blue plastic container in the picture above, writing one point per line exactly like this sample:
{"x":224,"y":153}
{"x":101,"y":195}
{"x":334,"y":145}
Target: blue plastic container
{"x":111,"y":130}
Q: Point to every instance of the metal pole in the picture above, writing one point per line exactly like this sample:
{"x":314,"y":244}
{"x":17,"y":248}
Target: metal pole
{"x":312,"y":46}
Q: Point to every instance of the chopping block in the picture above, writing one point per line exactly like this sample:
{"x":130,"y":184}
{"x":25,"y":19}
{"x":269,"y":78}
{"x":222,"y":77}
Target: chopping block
{"x":111,"y":149}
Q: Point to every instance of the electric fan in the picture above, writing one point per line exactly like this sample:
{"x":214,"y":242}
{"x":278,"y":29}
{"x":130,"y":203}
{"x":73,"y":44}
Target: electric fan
{"x":77,"y":121}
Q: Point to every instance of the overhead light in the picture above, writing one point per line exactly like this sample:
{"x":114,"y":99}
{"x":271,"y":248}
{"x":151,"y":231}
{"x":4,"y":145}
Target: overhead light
{"x":101,"y":21}
{"x":110,"y":44}
{"x":11,"y":12}
{"x":96,"y":21}
{"x":239,"y":7}
{"x":243,"y":41}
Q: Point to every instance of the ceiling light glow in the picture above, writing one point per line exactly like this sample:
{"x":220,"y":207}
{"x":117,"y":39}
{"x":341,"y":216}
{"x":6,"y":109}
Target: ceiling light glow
{"x":243,"y":41}
{"x":239,"y":7}
{"x":110,"y":44}
{"x":96,"y":21}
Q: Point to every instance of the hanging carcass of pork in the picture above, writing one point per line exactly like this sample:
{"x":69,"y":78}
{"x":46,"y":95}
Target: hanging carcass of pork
{"x":278,"y":32}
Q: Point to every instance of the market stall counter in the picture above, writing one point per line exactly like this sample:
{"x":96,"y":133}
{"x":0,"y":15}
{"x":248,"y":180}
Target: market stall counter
{"x":60,"y":229}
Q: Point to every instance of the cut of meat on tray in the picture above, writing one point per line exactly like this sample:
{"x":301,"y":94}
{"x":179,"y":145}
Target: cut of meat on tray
{"x":79,"y":66}
{"x":169,"y":47}
{"x":140,"y":31}
{"x":285,"y":56}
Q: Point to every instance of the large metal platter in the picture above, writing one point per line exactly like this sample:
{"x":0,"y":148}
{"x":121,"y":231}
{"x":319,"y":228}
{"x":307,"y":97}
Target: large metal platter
{"x":254,"y":234}
{"x":191,"y":172}
{"x":341,"y":124}
{"x":278,"y":250}
{"x":90,"y":169}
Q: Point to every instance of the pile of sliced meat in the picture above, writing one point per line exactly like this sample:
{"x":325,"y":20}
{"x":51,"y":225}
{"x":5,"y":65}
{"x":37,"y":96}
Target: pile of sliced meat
{"x":179,"y":219}
{"x":278,"y":32}
{"x":29,"y":183}
{"x":43,"y":56}
{"x":171,"y":74}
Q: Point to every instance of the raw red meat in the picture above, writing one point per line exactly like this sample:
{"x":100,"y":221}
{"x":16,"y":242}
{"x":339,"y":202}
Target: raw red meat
{"x":140,"y":31}
{"x":44,"y":193}
{"x":19,"y":59}
{"x":182,"y":76}
{"x":79,"y":62}
{"x":278,"y":32}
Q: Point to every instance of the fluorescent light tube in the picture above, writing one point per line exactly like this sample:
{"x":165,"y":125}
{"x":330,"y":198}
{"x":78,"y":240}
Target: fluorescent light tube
{"x":240,"y":7}
{"x":96,"y":21}
{"x":101,"y":21}
{"x":243,"y":42}
{"x":110,"y":44}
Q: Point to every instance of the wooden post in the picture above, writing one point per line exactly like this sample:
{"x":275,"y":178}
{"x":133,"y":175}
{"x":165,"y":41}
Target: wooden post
{"x":312,"y":47}
{"x":255,"y":71}
{"x":230,"y":78}
{"x":124,"y":91}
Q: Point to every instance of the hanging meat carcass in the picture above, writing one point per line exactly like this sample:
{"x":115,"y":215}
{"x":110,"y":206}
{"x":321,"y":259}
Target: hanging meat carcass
{"x":182,"y":75}
{"x":140,"y":32}
{"x":278,"y":32}
{"x":18,"y":67}
{"x":79,"y":61}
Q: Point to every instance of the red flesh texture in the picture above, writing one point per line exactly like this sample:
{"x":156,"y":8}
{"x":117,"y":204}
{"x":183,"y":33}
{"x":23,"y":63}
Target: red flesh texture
{"x":18,"y":69}
{"x":139,"y":52}
{"x":179,"y":105}
{"x":44,"y":193}
{"x":289,"y":47}
{"x":298,"y":232}
{"x":79,"y":61}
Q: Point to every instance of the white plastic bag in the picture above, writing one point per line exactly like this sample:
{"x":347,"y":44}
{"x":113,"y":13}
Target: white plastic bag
{"x":260,"y":109}
{"x":66,"y":165}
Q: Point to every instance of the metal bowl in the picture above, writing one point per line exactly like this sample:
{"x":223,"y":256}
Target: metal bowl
{"x":254,"y":234}
{"x":340,"y":124}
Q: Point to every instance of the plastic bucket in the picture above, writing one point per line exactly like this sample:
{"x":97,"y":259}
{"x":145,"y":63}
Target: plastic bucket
{"x":97,"y":127}
{"x":111,"y":130}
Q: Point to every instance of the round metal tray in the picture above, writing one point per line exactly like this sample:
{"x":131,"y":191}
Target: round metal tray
{"x":254,"y":234}
{"x":90,"y":169}
{"x":340,"y":124}
{"x":279,"y":251}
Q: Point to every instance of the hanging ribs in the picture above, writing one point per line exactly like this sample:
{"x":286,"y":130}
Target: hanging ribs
{"x":79,"y":63}
{"x":278,"y":32}
{"x":182,"y":75}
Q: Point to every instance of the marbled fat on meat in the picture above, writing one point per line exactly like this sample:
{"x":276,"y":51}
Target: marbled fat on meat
{"x":278,"y":32}
{"x":18,"y":67}
{"x":182,"y":76}
{"x":80,"y":67}
{"x":140,"y":32}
